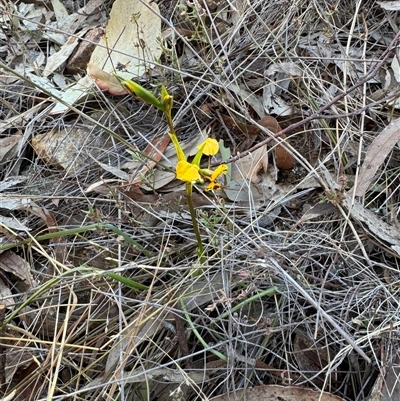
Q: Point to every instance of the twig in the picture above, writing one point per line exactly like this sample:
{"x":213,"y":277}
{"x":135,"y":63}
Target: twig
{"x":182,"y":341}
{"x":357,"y":112}
{"x":2,"y":350}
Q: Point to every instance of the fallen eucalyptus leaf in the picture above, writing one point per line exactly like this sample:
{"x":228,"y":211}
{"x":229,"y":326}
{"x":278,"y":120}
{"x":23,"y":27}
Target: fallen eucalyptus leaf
{"x":10,"y":262}
{"x":379,"y":149}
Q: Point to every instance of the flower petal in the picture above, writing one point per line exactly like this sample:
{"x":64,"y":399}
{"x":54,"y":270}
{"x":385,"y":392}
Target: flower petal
{"x":213,"y":186}
{"x":221,"y":169}
{"x":210,"y":147}
{"x":187,"y":172}
{"x":178,"y":147}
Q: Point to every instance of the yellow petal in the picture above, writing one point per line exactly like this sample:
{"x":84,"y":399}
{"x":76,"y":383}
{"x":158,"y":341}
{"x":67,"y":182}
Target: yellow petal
{"x":213,"y":186}
{"x":178,"y":147}
{"x":210,"y":147}
{"x":187,"y":172}
{"x":221,"y":169}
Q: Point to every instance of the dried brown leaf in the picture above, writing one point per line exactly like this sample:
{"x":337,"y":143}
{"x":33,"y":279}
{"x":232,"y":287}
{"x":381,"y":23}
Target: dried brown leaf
{"x":390,"y":5}
{"x":371,"y":222}
{"x":132,"y":33}
{"x":6,"y":297}
{"x":12,"y":223}
{"x":12,"y":263}
{"x":61,"y":56}
{"x":105,"y":81}
{"x":9,"y":147}
{"x":249,"y":166}
{"x":376,"y":155}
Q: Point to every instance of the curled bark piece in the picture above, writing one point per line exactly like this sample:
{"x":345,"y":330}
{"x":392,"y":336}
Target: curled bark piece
{"x":283,"y":159}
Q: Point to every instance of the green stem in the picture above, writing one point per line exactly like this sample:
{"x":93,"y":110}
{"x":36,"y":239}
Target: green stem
{"x":174,"y":137}
{"x":76,"y":231}
{"x":261,"y":294}
{"x":200,"y":249}
{"x":189,"y":191}
{"x":170,"y":124}
{"x":198,"y":335}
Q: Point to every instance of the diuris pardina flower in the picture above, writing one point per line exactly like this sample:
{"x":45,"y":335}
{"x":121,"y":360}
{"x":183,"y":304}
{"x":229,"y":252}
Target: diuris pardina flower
{"x":185,"y":171}
{"x":191,"y":172}
{"x":214,"y":185}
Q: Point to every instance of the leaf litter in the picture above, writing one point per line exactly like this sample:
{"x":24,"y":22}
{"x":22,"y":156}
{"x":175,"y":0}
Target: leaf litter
{"x":294,"y":252}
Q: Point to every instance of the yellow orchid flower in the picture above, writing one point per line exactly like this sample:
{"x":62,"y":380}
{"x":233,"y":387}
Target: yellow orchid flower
{"x":210,"y":147}
{"x":191,"y":172}
{"x":214,"y":185}
{"x":221,"y":169}
{"x":187,"y":172}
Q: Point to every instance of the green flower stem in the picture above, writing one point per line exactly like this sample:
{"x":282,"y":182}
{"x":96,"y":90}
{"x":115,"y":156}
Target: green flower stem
{"x":189,"y":191}
{"x":170,"y":124}
{"x":174,"y":137}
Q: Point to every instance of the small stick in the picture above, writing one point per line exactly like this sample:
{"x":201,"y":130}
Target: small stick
{"x":2,"y":350}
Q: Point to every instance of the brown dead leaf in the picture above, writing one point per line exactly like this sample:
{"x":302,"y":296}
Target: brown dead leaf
{"x":390,"y":5}
{"x":376,"y":155}
{"x":133,"y":179}
{"x":249,"y":131}
{"x":9,"y":147}
{"x":246,"y":96}
{"x":65,"y":148}
{"x":277,"y":393}
{"x":249,"y":166}
{"x":11,"y":223}
{"x":132,"y":33}
{"x":105,"y":81}
{"x":12,"y":263}
{"x":155,"y":150}
{"x":370,"y":221}
{"x":278,"y":78}
{"x":131,"y":40}
{"x":57,"y":59}
{"x":317,"y":211}
{"x":312,"y":358}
